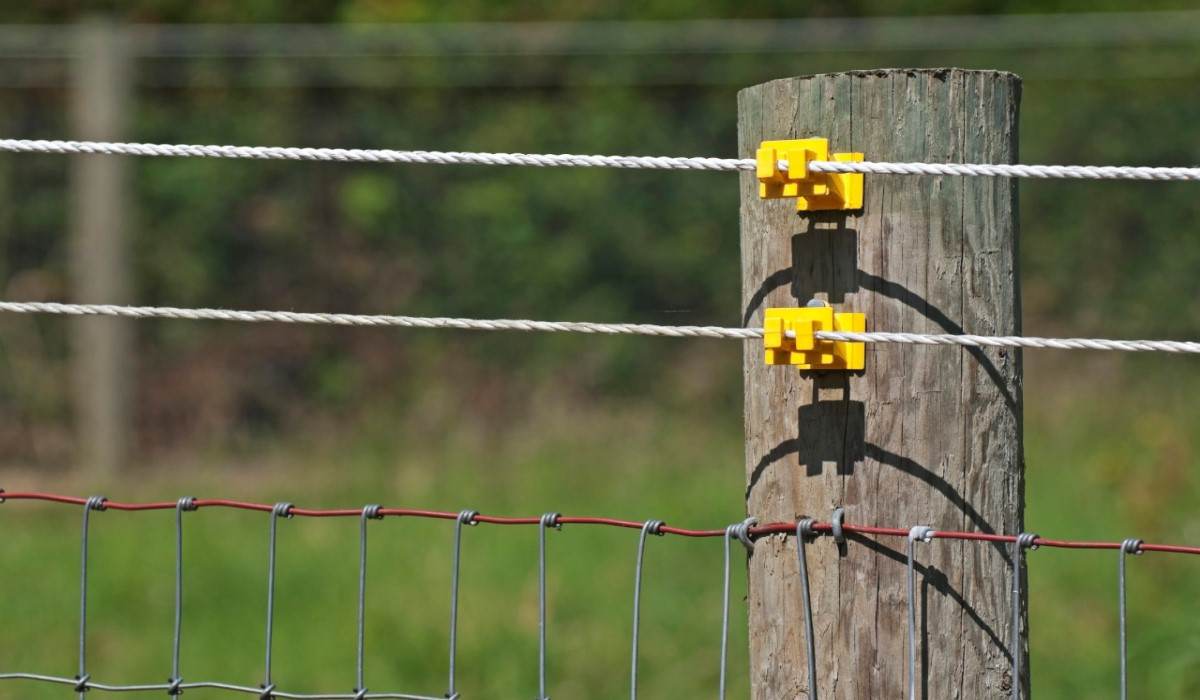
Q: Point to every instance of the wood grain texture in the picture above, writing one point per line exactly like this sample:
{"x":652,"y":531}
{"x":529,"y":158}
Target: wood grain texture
{"x":926,"y":435}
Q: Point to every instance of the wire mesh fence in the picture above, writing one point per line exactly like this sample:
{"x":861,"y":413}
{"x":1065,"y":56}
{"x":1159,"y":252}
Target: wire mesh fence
{"x":744,"y":533}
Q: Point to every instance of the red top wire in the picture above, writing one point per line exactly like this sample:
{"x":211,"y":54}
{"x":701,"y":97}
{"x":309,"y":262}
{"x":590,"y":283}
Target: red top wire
{"x":759,"y":531}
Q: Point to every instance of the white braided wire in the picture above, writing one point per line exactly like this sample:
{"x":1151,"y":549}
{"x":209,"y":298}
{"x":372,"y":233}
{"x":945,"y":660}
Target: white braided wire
{"x":378,"y":320}
{"x":376,"y":155}
{"x":583,"y":327}
{"x":1080,"y":172}
{"x":1011,"y":341}
{"x":541,"y":160}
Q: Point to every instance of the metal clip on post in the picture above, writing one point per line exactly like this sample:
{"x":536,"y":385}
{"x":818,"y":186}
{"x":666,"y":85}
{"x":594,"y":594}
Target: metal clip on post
{"x":465,"y":517}
{"x":1129,"y":546}
{"x":805,"y":532}
{"x":1024,"y":541}
{"x":650,"y":527}
{"x":549,"y":520}
{"x":922,"y":533}
{"x":835,"y":528}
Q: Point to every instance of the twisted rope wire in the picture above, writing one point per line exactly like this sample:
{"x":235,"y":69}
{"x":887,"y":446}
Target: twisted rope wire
{"x":372,"y":155}
{"x":1044,"y":172}
{"x":1013,"y":341}
{"x":379,"y":320}
{"x":566,"y":160}
{"x":647,"y":329}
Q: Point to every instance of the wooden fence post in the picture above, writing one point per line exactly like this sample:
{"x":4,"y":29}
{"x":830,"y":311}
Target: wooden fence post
{"x":99,"y":261}
{"x":925,"y":435}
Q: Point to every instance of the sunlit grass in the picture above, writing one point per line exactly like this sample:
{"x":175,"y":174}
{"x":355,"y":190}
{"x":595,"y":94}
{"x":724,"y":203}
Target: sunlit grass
{"x":1104,"y":461}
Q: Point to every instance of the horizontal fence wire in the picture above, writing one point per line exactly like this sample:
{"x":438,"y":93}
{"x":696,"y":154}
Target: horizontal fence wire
{"x":563,"y":160}
{"x":747,"y":532}
{"x":773,"y":528}
{"x":645,"y":329}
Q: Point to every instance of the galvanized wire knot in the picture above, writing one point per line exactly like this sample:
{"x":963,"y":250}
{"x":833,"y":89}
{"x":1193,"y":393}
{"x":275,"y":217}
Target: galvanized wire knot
{"x":282,"y":510}
{"x":805,"y":532}
{"x":551,"y":520}
{"x":268,"y":692}
{"x":372,"y":511}
{"x":654,"y":527}
{"x":186,"y":503}
{"x":1132,"y":545}
{"x":173,"y":688}
{"x":96,"y":503}
{"x":81,"y":683}
{"x":921,"y":533}
{"x":742,"y":532}
{"x":1027,"y":540}
{"x":360,"y":693}
{"x":835,"y":526}
{"x":467,"y":517}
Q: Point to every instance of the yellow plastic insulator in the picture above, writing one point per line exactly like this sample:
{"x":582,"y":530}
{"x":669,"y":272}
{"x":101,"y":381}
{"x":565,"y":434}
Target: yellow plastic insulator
{"x":789,"y":338}
{"x":813,"y":191}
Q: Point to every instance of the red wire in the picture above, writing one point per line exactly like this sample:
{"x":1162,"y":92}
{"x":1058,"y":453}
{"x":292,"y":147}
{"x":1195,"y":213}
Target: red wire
{"x":759,"y":531}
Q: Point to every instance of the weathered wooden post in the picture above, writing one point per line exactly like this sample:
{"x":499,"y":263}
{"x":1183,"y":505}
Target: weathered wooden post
{"x":99,"y":264}
{"x":925,"y":435}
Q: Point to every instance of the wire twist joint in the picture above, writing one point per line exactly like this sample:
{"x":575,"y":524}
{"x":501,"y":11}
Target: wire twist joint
{"x":921,"y":533}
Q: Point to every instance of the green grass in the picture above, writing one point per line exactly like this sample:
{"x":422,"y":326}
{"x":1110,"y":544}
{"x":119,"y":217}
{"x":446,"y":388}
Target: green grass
{"x":1111,"y":452}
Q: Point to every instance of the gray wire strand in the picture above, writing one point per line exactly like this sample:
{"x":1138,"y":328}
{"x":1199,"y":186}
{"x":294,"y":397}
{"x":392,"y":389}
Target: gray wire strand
{"x":924,"y":533}
{"x":650,"y":527}
{"x":215,"y":685}
{"x":1131,"y":545}
{"x":144,"y":312}
{"x":280,"y":510}
{"x":184,"y":504}
{"x":1055,"y":172}
{"x":465,"y":517}
{"x":646,"y":329}
{"x":362,"y":155}
{"x":549,"y":520}
{"x":82,"y":681}
{"x":370,"y":512}
{"x":542,"y":160}
{"x":739,"y":531}
{"x":804,"y":532}
{"x":1024,"y":541}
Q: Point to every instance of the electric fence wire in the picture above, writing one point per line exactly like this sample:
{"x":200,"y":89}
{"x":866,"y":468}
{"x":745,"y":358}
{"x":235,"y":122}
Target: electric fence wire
{"x":643,"y":329}
{"x":563,"y":160}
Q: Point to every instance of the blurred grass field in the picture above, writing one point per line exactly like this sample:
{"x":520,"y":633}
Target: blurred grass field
{"x":1111,"y":452}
